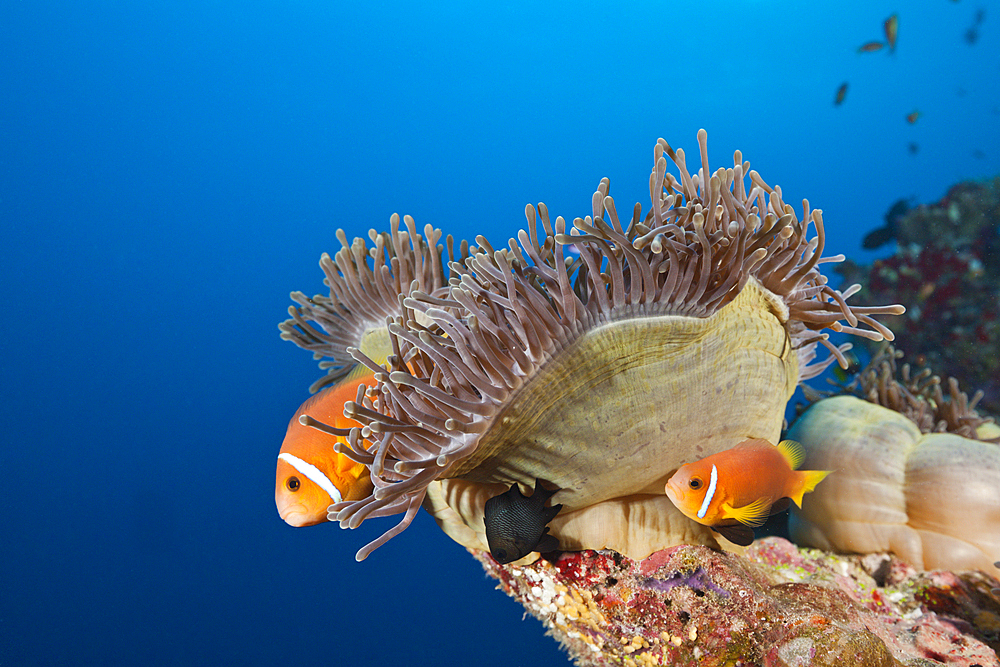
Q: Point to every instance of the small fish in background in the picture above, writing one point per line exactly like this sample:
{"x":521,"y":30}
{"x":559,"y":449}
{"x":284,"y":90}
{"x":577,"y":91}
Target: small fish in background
{"x":891,"y":27}
{"x":987,"y":247}
{"x":853,"y":367}
{"x":516,"y":525}
{"x":310,"y":475}
{"x":972,"y":34}
{"x":913,"y":147}
{"x":870,"y":47}
{"x":882,"y":235}
{"x":978,"y":154}
{"x":734,"y":490}
{"x":841,"y":94}
{"x":912,"y":117}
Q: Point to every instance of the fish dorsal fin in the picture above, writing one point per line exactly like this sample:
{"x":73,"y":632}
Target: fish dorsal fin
{"x":376,"y":344}
{"x":753,"y":514}
{"x":359,"y":371}
{"x":792,"y":452}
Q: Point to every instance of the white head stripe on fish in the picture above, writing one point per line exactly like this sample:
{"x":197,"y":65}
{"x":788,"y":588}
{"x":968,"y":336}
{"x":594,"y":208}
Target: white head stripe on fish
{"x":313,"y":473}
{"x":710,"y":493}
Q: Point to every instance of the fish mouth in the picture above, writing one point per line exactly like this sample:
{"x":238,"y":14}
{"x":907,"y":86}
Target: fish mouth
{"x":298,"y":516}
{"x":674,"y":492}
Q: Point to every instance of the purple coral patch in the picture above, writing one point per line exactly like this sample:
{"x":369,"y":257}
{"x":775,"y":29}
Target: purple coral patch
{"x":697,"y":580}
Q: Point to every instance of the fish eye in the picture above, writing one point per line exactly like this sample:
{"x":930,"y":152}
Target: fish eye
{"x":695,"y":483}
{"x":293,"y":484}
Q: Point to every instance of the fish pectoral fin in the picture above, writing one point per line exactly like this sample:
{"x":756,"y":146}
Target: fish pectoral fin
{"x":737,"y":534}
{"x":753,"y":514}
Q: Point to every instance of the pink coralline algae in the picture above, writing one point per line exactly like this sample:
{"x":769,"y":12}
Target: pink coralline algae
{"x":775,"y":605}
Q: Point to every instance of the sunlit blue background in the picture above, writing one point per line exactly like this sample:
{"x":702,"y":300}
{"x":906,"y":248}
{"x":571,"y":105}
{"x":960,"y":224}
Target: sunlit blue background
{"x":169,"y":171}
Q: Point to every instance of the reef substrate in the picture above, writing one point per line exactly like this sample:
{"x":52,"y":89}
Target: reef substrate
{"x":775,"y":605}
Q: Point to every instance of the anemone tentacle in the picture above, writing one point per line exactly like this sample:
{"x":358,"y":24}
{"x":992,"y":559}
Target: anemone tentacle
{"x":918,"y":396}
{"x":510,"y":311}
{"x":365,"y":286}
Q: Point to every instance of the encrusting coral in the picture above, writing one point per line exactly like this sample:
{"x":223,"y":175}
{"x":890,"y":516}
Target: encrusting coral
{"x":917,"y":473}
{"x":671,"y":338}
{"x":774,"y":605}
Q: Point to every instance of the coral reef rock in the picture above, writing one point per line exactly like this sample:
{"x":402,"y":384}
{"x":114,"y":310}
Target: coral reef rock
{"x":775,"y":605}
{"x":946,"y":271}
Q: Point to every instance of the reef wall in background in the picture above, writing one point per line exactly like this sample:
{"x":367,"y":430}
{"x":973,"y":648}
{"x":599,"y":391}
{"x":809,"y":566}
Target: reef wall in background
{"x":946,"y":270}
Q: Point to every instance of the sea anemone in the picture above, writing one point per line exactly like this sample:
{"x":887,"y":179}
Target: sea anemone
{"x":917,"y":472}
{"x":670,"y":339}
{"x":917,"y":395}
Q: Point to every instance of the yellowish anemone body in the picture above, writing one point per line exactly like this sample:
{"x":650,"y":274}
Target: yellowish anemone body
{"x":609,"y":419}
{"x":931,"y":498}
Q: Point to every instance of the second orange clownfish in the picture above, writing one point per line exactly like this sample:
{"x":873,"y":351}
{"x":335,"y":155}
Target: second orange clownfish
{"x":310,"y":475}
{"x":733,"y":490}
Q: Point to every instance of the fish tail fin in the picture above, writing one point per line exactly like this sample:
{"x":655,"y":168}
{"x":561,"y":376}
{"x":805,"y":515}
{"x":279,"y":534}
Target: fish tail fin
{"x":549,"y":513}
{"x":807,"y":481}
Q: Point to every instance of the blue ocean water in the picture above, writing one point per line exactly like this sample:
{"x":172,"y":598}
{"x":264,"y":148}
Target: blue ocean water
{"x":169,"y":171}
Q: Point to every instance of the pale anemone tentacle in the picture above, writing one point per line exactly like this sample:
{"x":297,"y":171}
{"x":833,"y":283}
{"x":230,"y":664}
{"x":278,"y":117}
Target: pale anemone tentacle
{"x":706,"y":240}
{"x":918,"y":396}
{"x":365,"y":285}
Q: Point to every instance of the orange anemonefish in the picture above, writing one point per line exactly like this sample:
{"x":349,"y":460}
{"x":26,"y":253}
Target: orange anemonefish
{"x":737,"y":488}
{"x":310,"y":475}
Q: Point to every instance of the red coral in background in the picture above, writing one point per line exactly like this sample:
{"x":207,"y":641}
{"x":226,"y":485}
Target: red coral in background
{"x":946,"y":271}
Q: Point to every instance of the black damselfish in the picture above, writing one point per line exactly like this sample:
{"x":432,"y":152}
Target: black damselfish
{"x":516,"y":526}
